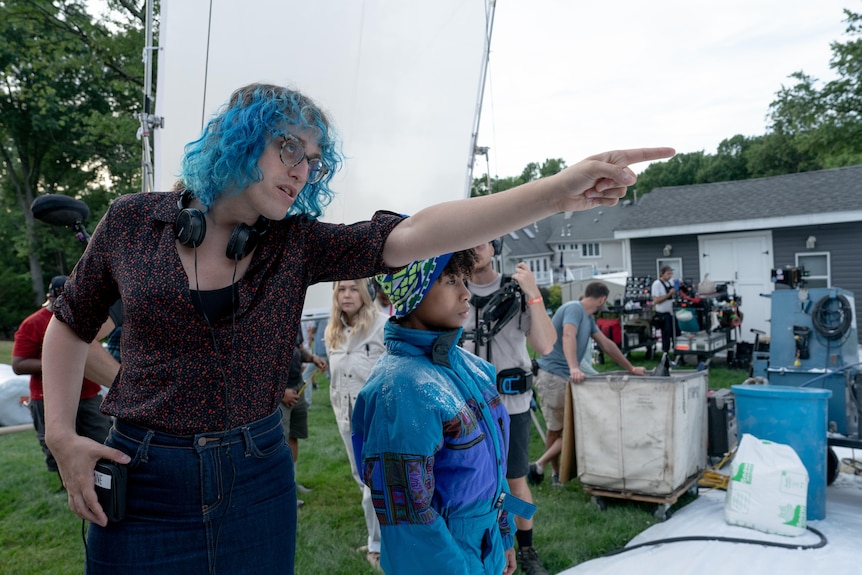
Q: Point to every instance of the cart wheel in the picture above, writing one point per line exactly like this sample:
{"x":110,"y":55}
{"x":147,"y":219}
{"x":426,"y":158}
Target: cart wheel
{"x":832,"y":466}
{"x":662,"y":512}
{"x":599,"y":502}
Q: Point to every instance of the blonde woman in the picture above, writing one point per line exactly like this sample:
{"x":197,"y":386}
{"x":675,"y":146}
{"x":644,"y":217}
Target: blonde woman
{"x":354,"y":341}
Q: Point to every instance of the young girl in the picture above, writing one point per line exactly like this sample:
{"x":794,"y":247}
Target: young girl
{"x":354,"y":339}
{"x":431,"y":432}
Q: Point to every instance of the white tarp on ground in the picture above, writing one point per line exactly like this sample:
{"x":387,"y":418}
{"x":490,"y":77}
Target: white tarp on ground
{"x":705,"y":517}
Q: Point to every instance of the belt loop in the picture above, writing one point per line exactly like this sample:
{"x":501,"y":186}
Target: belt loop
{"x":247,"y":441}
{"x":143,"y":450}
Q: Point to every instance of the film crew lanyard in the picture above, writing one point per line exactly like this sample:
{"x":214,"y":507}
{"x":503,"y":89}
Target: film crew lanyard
{"x":503,"y":499}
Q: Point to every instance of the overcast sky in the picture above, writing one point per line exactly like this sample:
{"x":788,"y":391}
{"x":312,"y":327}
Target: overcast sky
{"x":569,"y":78}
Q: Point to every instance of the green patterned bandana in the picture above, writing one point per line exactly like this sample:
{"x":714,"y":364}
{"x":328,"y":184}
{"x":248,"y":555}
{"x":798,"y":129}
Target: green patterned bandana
{"x":408,"y":286}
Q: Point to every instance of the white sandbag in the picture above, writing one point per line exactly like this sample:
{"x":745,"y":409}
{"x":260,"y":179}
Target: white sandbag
{"x":768,"y":488}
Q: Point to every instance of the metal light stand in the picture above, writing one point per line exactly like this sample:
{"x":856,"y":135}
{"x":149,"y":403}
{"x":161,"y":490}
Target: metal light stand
{"x":148,"y":121}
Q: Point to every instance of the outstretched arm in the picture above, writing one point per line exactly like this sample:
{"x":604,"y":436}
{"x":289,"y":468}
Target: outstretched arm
{"x":614,"y":352}
{"x":599,"y":180}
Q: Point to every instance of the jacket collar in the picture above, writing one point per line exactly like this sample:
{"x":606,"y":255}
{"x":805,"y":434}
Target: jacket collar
{"x":435,"y":344}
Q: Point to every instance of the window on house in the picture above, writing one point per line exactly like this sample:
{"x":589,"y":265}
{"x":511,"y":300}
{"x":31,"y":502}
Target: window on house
{"x":591,"y":250}
{"x":818,"y":266}
{"x":675,"y":263}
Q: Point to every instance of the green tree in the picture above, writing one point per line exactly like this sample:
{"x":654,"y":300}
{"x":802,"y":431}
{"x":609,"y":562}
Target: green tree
{"x":680,"y":170}
{"x":811,"y":128}
{"x":553,"y":297}
{"x":531,"y":171}
{"x":71,"y":87}
{"x":824,"y":124}
{"x":729,"y":163}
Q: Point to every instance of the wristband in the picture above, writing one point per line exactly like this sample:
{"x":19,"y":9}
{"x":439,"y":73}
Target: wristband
{"x":535,"y":300}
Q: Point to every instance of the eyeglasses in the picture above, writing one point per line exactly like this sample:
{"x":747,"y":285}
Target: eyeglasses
{"x":292,"y":153}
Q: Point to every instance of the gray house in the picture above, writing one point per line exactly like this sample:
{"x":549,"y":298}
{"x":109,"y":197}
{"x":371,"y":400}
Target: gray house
{"x":569,"y":246}
{"x":737,"y":232}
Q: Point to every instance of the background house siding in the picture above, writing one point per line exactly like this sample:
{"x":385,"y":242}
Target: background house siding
{"x":645,"y":252}
{"x":842,"y":241}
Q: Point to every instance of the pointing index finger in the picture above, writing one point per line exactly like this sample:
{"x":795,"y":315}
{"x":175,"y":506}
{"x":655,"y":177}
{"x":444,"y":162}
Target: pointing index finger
{"x":634,"y":155}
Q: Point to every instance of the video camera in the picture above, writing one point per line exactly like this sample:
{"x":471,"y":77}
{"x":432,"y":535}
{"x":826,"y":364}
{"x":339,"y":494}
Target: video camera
{"x":498,"y":309}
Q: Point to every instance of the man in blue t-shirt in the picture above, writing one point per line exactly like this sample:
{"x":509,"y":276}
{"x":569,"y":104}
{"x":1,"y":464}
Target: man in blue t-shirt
{"x":576,"y":326}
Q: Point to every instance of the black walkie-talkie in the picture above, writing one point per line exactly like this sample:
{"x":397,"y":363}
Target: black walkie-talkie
{"x":110,"y":479}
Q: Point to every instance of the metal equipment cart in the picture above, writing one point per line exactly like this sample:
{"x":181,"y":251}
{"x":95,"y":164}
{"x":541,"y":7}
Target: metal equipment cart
{"x":631,"y":317}
{"x":714,"y":320}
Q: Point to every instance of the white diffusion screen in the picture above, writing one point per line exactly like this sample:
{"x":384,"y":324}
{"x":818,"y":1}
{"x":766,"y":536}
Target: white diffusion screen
{"x":400,"y":80}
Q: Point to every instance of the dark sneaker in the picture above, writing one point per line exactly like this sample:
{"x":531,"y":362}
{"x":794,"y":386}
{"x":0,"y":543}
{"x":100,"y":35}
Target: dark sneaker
{"x":555,"y":480}
{"x":533,"y":475}
{"x":528,"y":562}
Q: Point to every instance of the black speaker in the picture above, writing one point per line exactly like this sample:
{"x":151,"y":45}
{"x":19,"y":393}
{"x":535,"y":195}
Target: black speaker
{"x":497,"y":245}
{"x":190,"y":229}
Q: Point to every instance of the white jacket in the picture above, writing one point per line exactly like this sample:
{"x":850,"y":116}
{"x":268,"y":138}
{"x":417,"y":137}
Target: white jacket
{"x":349,"y":368}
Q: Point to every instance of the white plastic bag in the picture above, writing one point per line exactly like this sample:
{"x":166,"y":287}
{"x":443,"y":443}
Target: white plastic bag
{"x":706,"y":286}
{"x":768,"y":488}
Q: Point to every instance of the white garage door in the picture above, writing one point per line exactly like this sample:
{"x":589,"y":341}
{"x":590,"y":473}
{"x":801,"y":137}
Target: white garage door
{"x":744,"y":261}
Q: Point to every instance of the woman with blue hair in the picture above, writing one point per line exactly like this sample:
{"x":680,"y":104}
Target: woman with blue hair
{"x":213,"y":276}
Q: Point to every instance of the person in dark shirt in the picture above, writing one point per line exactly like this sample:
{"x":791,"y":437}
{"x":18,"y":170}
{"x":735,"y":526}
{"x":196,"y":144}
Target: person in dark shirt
{"x":293,"y":406}
{"x":212,"y":276}
{"x":27,"y":359}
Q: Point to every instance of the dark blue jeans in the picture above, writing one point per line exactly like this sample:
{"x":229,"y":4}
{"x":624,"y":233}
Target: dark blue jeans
{"x":222,"y":502}
{"x":669,"y":331}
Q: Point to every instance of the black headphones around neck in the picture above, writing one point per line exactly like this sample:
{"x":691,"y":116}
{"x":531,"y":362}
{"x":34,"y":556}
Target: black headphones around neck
{"x":191,"y":228}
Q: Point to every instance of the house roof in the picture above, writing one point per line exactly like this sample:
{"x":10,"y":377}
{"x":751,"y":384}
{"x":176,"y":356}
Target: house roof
{"x":538,"y":238}
{"x":806,"y":198}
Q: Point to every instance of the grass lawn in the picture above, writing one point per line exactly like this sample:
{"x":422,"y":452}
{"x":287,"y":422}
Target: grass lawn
{"x":39,"y":535}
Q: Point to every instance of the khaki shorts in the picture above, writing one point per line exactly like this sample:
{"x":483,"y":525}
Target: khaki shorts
{"x":552,"y":398}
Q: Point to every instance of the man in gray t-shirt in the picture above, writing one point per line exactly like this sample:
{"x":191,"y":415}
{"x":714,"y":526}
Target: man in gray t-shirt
{"x":571,"y":313}
{"x":575,"y":328}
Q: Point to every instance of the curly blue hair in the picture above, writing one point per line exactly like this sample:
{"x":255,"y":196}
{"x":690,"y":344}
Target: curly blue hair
{"x":224,"y":159}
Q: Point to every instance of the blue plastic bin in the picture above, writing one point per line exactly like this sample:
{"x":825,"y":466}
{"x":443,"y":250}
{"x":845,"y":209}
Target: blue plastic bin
{"x":794,"y":416}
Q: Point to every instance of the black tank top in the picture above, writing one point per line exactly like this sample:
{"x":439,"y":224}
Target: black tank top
{"x":215,"y":304}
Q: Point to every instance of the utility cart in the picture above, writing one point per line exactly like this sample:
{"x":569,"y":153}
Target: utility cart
{"x":707,"y":322}
{"x":642,"y":438}
{"x":627,"y":321}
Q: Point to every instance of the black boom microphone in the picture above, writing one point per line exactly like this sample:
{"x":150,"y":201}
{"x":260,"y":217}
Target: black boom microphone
{"x":60,"y":210}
